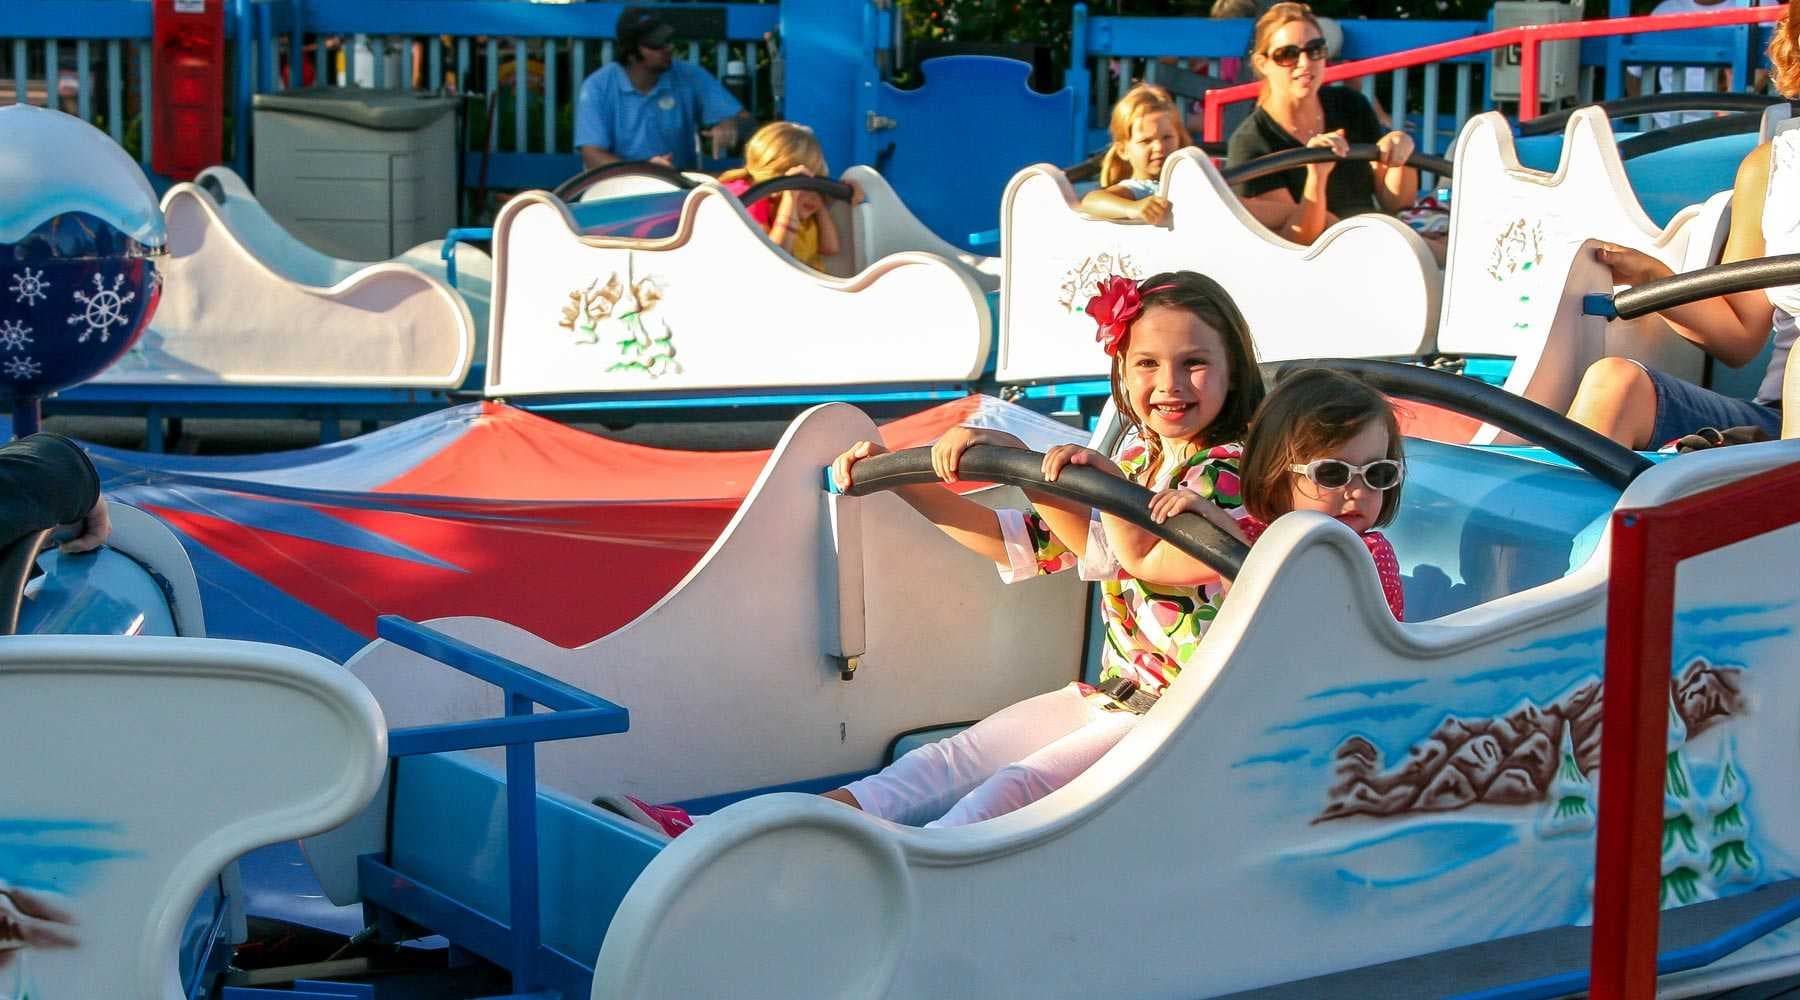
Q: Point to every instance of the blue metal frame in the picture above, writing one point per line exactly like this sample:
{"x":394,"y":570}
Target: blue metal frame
{"x":573,"y":713}
{"x":454,"y":236}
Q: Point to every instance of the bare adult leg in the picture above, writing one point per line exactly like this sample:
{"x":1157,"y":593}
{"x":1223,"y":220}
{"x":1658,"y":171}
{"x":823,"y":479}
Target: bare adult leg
{"x":1617,"y":399}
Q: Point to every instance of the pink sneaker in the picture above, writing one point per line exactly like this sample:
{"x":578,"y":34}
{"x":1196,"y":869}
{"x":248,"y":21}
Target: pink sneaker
{"x":671,"y":821}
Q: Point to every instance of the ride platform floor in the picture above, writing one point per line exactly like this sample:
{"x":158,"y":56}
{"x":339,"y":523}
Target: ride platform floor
{"x":1537,"y":955}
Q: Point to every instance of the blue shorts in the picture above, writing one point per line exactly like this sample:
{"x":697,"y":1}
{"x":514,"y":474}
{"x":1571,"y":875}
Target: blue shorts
{"x":1683,"y":408}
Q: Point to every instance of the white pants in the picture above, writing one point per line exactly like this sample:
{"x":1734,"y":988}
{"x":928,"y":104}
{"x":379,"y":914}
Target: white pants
{"x":1009,"y":759}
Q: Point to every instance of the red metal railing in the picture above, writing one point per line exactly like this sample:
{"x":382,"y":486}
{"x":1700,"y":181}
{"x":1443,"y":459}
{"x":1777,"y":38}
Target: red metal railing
{"x":1640,"y":609}
{"x":1527,"y":37}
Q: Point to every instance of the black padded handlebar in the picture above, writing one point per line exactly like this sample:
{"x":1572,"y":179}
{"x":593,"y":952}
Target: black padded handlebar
{"x":1627,"y":107}
{"x":571,"y":189}
{"x":1657,"y":140}
{"x":1720,"y":279}
{"x":798,"y":182}
{"x":15,"y":568}
{"x":1288,"y":159}
{"x":1606,"y":460}
{"x":1190,"y":533}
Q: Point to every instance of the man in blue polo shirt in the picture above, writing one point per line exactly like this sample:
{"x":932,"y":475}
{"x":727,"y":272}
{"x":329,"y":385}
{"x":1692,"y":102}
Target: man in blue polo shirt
{"x":648,"y":106}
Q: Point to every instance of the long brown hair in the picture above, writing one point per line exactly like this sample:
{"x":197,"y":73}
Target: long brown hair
{"x":1310,"y":412}
{"x":1143,"y":99}
{"x":1784,"y":55}
{"x":1274,"y":19}
{"x":1205,"y":299}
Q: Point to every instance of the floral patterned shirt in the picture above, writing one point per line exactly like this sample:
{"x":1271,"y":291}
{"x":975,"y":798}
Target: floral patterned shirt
{"x":1150,"y":630}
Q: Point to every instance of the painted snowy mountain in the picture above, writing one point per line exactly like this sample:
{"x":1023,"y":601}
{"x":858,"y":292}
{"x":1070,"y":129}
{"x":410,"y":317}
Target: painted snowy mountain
{"x":1509,"y":759}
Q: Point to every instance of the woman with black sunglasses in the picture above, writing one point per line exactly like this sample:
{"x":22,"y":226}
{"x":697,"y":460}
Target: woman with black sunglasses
{"x":1289,"y":52}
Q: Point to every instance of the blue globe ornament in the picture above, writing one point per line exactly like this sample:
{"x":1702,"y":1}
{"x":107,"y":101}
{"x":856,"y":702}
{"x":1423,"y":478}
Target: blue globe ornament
{"x":80,"y":231}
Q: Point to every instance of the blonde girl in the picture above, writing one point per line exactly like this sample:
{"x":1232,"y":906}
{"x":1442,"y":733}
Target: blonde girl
{"x":1184,"y":374}
{"x":1146,"y":128}
{"x":795,"y":220}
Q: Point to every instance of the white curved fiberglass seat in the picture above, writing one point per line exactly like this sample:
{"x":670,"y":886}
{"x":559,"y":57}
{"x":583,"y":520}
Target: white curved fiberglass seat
{"x":715,"y":306}
{"x":1515,"y":234}
{"x":143,"y":766}
{"x":1374,"y":789}
{"x":1366,"y":288}
{"x":253,"y":306}
{"x":671,"y":663}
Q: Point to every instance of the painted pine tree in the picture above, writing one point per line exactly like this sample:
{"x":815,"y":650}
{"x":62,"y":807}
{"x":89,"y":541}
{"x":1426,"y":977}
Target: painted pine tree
{"x":1729,"y":834}
{"x":1571,"y":807}
{"x":1684,"y":858}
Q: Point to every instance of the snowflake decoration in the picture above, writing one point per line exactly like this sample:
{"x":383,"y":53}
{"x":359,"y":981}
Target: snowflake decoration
{"x":14,"y":335}
{"x":29,"y":286}
{"x":104,"y":310}
{"x":20,"y":369}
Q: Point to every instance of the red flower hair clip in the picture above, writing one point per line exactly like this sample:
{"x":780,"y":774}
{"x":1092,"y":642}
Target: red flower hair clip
{"x":1115,"y":305}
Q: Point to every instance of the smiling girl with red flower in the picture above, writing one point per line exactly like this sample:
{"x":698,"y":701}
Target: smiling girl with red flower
{"x":1184,"y":376}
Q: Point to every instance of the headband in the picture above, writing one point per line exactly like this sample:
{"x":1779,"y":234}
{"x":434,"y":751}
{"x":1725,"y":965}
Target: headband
{"x":1115,"y":305}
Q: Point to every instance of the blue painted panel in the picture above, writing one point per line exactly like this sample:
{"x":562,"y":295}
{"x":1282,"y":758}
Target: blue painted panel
{"x":463,"y":18}
{"x":962,"y":136}
{"x":822,"y":45}
{"x":587,"y":859}
{"x":1666,"y":181}
{"x":77,"y":19}
{"x":105,"y":593}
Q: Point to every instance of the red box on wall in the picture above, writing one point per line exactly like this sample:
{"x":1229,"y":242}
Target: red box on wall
{"x":188,"y":86}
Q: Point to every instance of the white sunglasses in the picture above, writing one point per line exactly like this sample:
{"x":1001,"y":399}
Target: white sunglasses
{"x":1334,"y":473}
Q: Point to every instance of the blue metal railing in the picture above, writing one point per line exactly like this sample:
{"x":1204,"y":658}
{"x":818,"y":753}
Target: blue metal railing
{"x":482,"y":46}
{"x":573,"y":713}
{"x":1112,"y":52}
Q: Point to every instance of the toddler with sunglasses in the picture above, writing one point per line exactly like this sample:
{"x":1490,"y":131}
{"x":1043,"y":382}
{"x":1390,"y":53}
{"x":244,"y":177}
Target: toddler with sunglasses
{"x":1323,"y":441}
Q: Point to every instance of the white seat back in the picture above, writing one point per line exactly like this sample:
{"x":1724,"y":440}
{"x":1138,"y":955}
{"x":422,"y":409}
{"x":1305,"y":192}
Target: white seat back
{"x":230,"y":316}
{"x":1366,"y":288}
{"x":142,"y":766}
{"x":714,"y":306}
{"x":1515,"y":233}
{"x":714,"y":710}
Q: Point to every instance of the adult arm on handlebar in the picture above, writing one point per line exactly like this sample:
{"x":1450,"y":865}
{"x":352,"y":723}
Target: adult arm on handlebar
{"x":1734,"y":327}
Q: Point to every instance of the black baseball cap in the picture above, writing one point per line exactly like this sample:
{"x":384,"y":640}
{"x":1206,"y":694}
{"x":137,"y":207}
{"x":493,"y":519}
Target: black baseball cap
{"x":639,"y":27}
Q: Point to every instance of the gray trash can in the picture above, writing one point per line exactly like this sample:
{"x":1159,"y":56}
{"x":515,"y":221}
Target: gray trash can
{"x":357,"y":173}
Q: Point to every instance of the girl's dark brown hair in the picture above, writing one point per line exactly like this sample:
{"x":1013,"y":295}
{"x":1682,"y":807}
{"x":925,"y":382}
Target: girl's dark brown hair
{"x":1310,"y":412}
{"x":1195,"y":293}
{"x":1784,"y":55}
